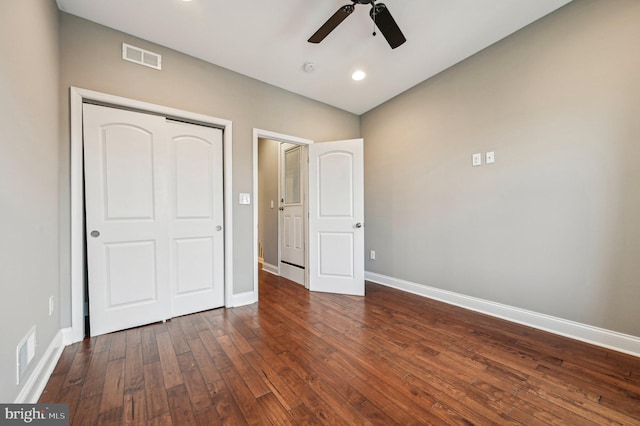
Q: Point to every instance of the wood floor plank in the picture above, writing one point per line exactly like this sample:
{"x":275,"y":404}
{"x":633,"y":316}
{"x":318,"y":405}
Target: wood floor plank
{"x":134,"y":368}
{"x":205,"y":363}
{"x":135,"y":408}
{"x":96,"y":374}
{"x":52,"y":390}
{"x":178,"y":338}
{"x":274,"y":411}
{"x":87,"y":411}
{"x":102,"y":343}
{"x":253,"y":380}
{"x":65,"y":361}
{"x":180,"y":406}
{"x":210,"y":417}
{"x":305,"y":358}
{"x":118,"y":346}
{"x":155,"y":392}
{"x":246,"y":400}
{"x":79,"y":366}
{"x":195,"y":385}
{"x":170,"y":368}
{"x":281,"y":391}
{"x":113,"y":390}
{"x":224,"y":403}
{"x":71,"y":395}
{"x":150,"y":353}
{"x":134,"y":336}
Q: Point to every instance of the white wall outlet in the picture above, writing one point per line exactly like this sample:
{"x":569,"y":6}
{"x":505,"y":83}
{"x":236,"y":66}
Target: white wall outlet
{"x":271,"y":203}
{"x":372,"y":255}
{"x":476,"y":159}
{"x":244,"y":198}
{"x":490,"y":157}
{"x":51,"y":305}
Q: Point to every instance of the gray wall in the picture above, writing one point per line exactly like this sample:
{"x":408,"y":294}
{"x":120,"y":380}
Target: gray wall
{"x":91,"y":59}
{"x":553,"y":226}
{"x":268,"y":153}
{"x":29,"y":65}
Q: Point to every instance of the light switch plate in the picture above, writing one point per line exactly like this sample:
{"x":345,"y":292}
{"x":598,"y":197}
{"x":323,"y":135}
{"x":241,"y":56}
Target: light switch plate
{"x":490,"y":157}
{"x":244,"y":198}
{"x":476,"y":159}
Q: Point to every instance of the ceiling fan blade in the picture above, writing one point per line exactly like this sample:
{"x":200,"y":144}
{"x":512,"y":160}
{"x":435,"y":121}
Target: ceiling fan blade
{"x":332,"y":23}
{"x":387,"y":25}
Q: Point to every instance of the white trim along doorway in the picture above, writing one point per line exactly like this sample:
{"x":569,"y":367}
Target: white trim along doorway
{"x":266,"y":134}
{"x":78,"y":97}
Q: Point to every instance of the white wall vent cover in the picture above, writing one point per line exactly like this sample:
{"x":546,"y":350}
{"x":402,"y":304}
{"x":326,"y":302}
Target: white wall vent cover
{"x":141,"y":56}
{"x":25,"y":352}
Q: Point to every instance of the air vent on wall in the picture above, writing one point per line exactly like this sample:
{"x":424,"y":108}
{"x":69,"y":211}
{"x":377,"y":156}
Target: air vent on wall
{"x":141,"y":56}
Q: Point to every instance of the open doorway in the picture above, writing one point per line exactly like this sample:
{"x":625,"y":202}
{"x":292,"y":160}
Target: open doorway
{"x":334,"y":230}
{"x":280,"y":208}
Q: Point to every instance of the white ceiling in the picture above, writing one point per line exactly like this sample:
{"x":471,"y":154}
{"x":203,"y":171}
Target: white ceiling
{"x":267,"y":40}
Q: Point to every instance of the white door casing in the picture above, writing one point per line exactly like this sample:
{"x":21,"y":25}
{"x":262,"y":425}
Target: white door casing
{"x":336,"y":217}
{"x":150,"y":249}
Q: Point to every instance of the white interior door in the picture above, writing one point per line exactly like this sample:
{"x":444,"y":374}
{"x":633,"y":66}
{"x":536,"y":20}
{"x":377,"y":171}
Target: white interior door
{"x":196,"y":217}
{"x":292,"y":223}
{"x":127,"y":248}
{"x":336,"y":213}
{"x":152,"y":207}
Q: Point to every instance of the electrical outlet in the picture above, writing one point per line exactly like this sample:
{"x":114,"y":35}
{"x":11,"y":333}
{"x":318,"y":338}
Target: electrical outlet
{"x":490,"y":157}
{"x":476,"y":159}
{"x":372,"y":255}
{"x":51,"y":305}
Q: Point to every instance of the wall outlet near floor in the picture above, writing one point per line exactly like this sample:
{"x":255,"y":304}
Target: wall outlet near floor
{"x":372,"y":255}
{"x":51,"y":305}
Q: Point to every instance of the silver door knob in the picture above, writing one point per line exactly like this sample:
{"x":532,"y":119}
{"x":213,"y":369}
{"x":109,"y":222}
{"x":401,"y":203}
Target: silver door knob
{"x":218,"y":228}
{"x":358,"y":225}
{"x":95,"y":234}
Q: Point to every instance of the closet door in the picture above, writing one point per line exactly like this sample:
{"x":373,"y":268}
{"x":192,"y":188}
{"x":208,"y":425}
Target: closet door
{"x":196,"y":221}
{"x":127,"y":218}
{"x":153,"y":192}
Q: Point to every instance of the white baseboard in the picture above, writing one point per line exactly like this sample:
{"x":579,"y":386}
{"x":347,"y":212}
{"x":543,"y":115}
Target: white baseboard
{"x":272,"y":269}
{"x":39,"y":377}
{"x":292,"y":273}
{"x":598,"y":336}
{"x":245,"y":298}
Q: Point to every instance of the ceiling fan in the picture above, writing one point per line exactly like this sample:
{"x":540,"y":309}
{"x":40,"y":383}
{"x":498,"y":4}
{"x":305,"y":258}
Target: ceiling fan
{"x":381,"y":18}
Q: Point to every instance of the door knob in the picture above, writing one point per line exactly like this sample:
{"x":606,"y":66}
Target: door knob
{"x":358,"y":225}
{"x":95,"y":234}
{"x":281,"y":208}
{"x":218,"y":228}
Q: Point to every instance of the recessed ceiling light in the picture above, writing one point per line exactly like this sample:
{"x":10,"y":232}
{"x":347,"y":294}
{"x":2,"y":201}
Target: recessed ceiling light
{"x":358,"y":75}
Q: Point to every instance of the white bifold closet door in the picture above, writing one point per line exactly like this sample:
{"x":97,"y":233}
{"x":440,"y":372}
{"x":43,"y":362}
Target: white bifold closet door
{"x":154,"y":213}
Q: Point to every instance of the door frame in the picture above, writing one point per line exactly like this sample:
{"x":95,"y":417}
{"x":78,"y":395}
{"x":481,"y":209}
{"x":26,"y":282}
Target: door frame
{"x":279,"y":137}
{"x":78,"y":245}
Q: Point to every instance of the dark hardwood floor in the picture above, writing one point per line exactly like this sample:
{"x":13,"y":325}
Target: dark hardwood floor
{"x":306,"y":358}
